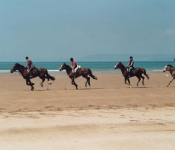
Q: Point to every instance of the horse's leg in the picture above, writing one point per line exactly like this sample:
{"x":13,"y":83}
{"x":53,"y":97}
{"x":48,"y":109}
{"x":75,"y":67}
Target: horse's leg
{"x":143,"y":80}
{"x":129,"y":81}
{"x":48,"y":79}
{"x":87,"y":80}
{"x":171,"y":81}
{"x":138,"y":80}
{"x":28,"y":82}
{"x":73,"y":82}
{"x":125,"y":80}
{"x":41,"y":84}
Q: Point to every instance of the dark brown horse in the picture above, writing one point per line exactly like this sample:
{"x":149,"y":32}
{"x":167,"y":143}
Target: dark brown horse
{"x":84,"y":72}
{"x":135,"y":72}
{"x":171,"y":69}
{"x":41,"y":73}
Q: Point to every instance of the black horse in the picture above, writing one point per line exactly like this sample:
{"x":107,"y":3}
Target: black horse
{"x":84,"y":72}
{"x":41,"y":73}
{"x":135,"y":72}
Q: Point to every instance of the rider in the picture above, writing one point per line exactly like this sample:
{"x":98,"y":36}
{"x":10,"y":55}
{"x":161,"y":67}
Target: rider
{"x":74,"y":66}
{"x":130,"y":65}
{"x":30,"y":65}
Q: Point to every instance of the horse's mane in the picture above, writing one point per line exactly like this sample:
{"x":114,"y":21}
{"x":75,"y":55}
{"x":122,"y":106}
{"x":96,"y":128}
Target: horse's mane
{"x":67,"y":65}
{"x":17,"y":64}
{"x":122,"y":64}
{"x":170,"y":66}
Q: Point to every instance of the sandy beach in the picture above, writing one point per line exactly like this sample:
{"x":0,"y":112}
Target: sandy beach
{"x":109,"y":115}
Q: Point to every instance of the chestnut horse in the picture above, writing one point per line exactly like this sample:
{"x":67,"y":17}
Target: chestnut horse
{"x":84,"y":72}
{"x":135,"y":72}
{"x":171,"y":69}
{"x":41,"y":73}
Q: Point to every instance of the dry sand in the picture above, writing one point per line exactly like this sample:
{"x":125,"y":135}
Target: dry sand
{"x":109,"y":115}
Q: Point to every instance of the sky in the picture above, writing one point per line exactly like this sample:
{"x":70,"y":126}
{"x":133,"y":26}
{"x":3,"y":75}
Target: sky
{"x":55,"y":30}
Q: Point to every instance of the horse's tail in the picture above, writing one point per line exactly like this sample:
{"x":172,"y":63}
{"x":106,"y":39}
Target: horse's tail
{"x":49,"y":76}
{"x":91,"y":75}
{"x":144,"y":72}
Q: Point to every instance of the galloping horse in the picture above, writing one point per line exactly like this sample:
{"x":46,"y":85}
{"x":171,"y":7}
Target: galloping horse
{"x":171,"y":69}
{"x":136,"y":72}
{"x":84,"y":72}
{"x":42,"y":73}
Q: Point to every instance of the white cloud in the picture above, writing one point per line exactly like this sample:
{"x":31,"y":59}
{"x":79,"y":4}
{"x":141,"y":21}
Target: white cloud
{"x":170,"y":32}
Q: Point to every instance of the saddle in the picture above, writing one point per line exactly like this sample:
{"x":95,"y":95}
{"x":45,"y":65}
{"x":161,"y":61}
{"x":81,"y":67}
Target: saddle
{"x":132,"y":71}
{"x":78,"y":72}
{"x":34,"y":71}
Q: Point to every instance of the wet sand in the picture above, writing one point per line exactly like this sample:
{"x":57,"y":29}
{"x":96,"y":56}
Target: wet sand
{"x":107,"y":115}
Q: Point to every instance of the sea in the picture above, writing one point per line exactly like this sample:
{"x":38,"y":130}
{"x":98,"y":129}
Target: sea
{"x":96,"y":67}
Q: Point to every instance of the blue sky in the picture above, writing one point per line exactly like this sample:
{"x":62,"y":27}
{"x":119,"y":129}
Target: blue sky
{"x":55,"y":30}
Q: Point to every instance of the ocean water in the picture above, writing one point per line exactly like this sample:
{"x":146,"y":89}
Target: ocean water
{"x":98,"y":67}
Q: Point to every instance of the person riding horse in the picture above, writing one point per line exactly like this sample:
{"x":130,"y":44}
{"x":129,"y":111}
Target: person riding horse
{"x":74,"y":66}
{"x":29,"y":65}
{"x":42,"y":73}
{"x":137,"y":72}
{"x":130,"y":66}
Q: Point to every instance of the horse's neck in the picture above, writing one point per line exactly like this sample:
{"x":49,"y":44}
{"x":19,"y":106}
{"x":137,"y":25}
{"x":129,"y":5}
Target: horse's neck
{"x":21,"y":69}
{"x":171,"y":70}
{"x":68,"y":69}
{"x":123,"y":69}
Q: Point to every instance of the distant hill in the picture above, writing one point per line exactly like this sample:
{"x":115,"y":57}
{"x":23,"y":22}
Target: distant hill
{"x":125,"y":57}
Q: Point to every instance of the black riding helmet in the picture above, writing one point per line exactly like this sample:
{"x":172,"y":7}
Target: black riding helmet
{"x":27,"y":57}
{"x":71,"y":59}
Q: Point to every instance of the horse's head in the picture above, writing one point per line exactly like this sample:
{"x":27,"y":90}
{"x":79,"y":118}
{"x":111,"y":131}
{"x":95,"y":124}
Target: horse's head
{"x":118,"y":65}
{"x":63,"y":66}
{"x":14,"y":68}
{"x":167,"y":68}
